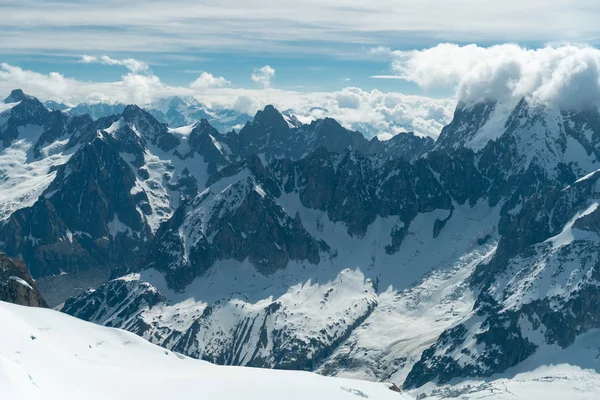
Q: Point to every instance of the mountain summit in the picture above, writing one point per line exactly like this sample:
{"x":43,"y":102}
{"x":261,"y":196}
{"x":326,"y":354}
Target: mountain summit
{"x":15,"y":96}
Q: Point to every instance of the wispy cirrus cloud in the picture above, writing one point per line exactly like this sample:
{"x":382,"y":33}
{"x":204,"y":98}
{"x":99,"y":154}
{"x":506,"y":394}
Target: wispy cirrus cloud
{"x":130,"y":63}
{"x":312,"y":26}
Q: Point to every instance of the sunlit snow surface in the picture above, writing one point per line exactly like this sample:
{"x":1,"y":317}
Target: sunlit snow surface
{"x":48,"y":355}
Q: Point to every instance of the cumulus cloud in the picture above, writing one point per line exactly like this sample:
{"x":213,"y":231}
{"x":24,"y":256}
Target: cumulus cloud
{"x":132,"y":88}
{"x":263,"y":75}
{"x":207,"y":80}
{"x":565,"y":75}
{"x":130,"y":63}
{"x":371,"y":112}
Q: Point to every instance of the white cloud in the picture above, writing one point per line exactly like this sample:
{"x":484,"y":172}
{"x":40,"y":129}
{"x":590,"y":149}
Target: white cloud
{"x":565,"y":75}
{"x":263,"y":75}
{"x":372,"y":112}
{"x":132,"y":88}
{"x":348,"y":98}
{"x":207,"y":80}
{"x":88,"y":59}
{"x":131,"y":64}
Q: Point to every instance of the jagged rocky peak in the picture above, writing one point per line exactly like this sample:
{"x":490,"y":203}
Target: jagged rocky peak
{"x":204,"y":127}
{"x":28,"y":111}
{"x":205,"y":140}
{"x":268,"y":126}
{"x":149,"y":127}
{"x":269,"y":116}
{"x":15,"y":96}
{"x":133,"y":112}
{"x":465,"y":125}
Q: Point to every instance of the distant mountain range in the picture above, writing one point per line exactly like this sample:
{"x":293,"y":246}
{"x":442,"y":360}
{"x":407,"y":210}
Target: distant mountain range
{"x":184,"y":111}
{"x":175,"y":111}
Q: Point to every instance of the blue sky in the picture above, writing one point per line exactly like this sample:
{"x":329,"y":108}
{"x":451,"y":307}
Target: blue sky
{"x":244,"y":54}
{"x":312,"y":45}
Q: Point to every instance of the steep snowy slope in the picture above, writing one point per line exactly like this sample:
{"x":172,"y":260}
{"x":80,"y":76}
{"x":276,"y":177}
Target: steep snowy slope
{"x":530,"y":132}
{"x":34,"y":142}
{"x":48,"y":355}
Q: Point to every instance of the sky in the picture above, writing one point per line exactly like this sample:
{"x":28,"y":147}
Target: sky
{"x":245,"y":53}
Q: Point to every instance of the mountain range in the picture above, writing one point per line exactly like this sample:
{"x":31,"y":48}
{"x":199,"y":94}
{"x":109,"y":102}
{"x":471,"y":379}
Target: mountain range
{"x":179,"y":111}
{"x":309,"y":247}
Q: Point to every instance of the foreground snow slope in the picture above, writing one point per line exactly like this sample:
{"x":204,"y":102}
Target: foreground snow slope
{"x":48,"y":355}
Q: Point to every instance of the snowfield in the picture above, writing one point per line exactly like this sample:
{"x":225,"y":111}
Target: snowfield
{"x":48,"y":355}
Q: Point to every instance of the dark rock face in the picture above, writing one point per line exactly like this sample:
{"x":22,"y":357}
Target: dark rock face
{"x":86,"y":219}
{"x":15,"y":96}
{"x":16,"y":285}
{"x":207,"y":142}
{"x":467,"y":120}
{"x":237,"y":217}
{"x":524,"y":290}
{"x":355,"y":188}
{"x":151,"y":129}
{"x":117,"y":303}
{"x":28,"y":112}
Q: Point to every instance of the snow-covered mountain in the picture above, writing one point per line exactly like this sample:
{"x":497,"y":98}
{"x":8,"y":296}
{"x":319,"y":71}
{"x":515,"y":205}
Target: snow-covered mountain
{"x":307,"y":246}
{"x":175,"y":111}
{"x":184,"y":111}
{"x":179,"y":112}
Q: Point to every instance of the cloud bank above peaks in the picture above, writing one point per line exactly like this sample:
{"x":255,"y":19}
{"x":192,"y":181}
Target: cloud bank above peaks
{"x":564,"y":75}
{"x":371,"y":112}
